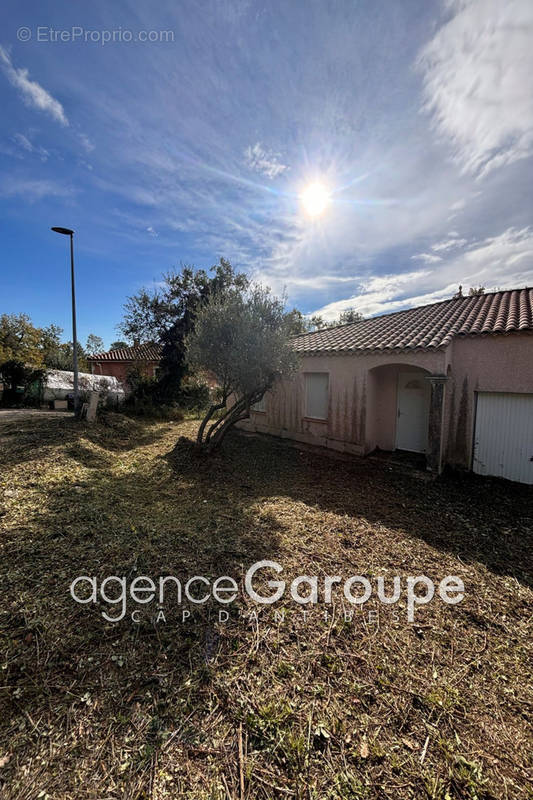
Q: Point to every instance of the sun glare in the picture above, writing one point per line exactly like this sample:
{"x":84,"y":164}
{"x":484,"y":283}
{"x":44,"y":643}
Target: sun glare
{"x":315,"y":199}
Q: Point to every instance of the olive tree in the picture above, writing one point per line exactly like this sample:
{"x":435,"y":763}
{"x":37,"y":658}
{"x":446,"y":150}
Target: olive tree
{"x":167,"y":315}
{"x":243,"y":339}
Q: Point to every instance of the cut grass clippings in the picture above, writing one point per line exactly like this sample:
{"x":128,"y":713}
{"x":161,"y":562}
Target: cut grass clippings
{"x":255,"y":708}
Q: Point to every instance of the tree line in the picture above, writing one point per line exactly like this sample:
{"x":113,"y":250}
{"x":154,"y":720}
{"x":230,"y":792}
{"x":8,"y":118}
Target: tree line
{"x":22,"y":341}
{"x":212,"y":322}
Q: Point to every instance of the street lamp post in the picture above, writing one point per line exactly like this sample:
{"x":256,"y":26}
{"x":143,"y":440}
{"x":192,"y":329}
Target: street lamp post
{"x":68,"y":232}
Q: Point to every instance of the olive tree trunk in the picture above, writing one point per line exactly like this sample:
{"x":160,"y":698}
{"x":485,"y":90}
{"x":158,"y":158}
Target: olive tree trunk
{"x":211,"y":433}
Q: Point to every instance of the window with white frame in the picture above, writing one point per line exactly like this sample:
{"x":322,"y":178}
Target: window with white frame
{"x":316,"y":395}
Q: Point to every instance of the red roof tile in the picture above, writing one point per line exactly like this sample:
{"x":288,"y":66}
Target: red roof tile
{"x":427,"y":327}
{"x":140,"y":352}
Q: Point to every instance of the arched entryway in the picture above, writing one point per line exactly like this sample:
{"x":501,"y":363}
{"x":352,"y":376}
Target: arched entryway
{"x":405,"y":411}
{"x":398,"y":407}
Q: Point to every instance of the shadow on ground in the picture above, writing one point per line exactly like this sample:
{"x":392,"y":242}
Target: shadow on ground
{"x":93,"y":706}
{"x":73,"y":676}
{"x":475,"y":519}
{"x":29,"y":438}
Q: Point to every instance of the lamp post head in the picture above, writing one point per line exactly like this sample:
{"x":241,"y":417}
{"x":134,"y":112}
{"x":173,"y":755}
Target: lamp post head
{"x":65,"y":231}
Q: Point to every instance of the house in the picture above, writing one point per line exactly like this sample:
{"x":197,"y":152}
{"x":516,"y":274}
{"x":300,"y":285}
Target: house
{"x":143,"y":358}
{"x":452,"y":380}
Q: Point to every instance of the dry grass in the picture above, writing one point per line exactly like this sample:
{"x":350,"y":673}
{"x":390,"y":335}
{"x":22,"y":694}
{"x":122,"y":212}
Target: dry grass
{"x":247,"y":709}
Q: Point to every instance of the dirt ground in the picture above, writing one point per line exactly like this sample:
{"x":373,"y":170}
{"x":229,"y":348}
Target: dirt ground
{"x":20,"y":414}
{"x":278,"y":704}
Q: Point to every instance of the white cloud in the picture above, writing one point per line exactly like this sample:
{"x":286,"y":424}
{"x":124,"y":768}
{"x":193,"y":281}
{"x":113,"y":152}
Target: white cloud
{"x":427,"y":258}
{"x":26,"y":144}
{"x":504,"y":260}
{"x":449,"y":244}
{"x":32,"y":190}
{"x":338,"y":125}
{"x":377,"y":295}
{"x":264,"y":161}
{"x":477,"y":82}
{"x":458,"y":206}
{"x":498,"y":262}
{"x":32,"y":92}
{"x":151,"y":231}
{"x":293,"y":283}
{"x":86,"y":142}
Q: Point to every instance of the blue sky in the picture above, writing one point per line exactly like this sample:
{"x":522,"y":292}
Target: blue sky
{"x":417,"y":116}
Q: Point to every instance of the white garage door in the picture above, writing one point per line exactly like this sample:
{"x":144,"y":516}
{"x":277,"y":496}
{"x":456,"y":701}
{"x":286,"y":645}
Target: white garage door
{"x":503,"y":441}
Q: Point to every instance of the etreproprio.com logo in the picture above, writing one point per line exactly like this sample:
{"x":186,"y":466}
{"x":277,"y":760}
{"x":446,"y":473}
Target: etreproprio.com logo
{"x":305,"y":590}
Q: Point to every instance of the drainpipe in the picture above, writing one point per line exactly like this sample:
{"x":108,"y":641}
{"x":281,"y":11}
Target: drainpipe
{"x":436,"y":423}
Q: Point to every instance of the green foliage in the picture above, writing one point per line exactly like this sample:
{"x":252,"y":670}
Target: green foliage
{"x":94,"y":344}
{"x":62,"y":357}
{"x":243,"y":339}
{"x":271,"y":728}
{"x":50,"y":342}
{"x":348,"y":317}
{"x":300,"y":324}
{"x":297,"y":323}
{"x":22,"y":385}
{"x":20,"y":340}
{"x":118,"y":345}
{"x":317,"y":323}
{"x":193,"y":395}
{"x":167,"y":315}
{"x":140,"y":385}
{"x":149,"y":408}
{"x":13,"y":373}
{"x":467,"y":779}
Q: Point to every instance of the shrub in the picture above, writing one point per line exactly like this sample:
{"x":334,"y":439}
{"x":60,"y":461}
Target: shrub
{"x":149,"y":398}
{"x":22,"y":385}
{"x":149,"y":409}
{"x":193,"y":395}
{"x":141,"y":386}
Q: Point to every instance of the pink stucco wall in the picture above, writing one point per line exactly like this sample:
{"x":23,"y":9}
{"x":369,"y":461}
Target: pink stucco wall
{"x":363,"y":394}
{"x":481,"y":364}
{"x":362,"y":391}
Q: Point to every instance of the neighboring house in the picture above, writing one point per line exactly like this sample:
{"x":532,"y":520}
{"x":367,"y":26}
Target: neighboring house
{"x":453,"y":380}
{"x":144,"y":358}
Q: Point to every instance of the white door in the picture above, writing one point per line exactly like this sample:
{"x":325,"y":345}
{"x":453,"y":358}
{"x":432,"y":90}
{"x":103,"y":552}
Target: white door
{"x":503,"y":439}
{"x":413,"y":412}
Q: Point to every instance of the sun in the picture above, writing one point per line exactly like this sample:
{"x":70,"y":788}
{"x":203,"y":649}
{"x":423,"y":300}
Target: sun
{"x":315,"y":199}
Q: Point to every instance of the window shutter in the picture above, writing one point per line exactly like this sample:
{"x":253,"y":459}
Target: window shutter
{"x":317,"y":395}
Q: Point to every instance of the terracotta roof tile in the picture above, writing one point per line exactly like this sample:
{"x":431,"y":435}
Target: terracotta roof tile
{"x":427,"y":327}
{"x":140,"y":352}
